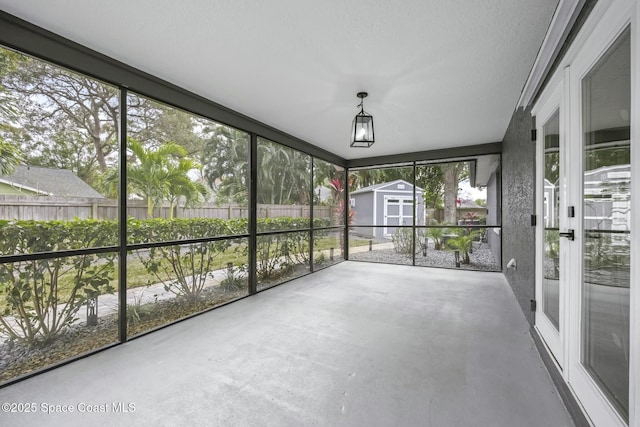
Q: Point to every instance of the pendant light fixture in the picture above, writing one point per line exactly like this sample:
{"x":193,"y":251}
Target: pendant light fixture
{"x":362,"y":129}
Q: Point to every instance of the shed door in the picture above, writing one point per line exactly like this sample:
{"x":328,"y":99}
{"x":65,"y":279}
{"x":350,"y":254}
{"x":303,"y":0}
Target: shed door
{"x":398,"y":210}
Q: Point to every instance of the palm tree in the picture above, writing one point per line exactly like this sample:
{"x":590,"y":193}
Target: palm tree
{"x":10,"y":158}
{"x":181,"y":186}
{"x":225,"y":161}
{"x":162,"y":174}
{"x":464,"y":244}
{"x":283,"y":174}
{"x":364,"y":178}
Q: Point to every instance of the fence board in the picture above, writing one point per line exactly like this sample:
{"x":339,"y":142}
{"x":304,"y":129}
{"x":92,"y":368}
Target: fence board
{"x":47,"y":208}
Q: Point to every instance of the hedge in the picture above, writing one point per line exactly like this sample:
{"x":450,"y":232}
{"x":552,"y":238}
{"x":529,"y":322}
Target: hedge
{"x":31,"y":290}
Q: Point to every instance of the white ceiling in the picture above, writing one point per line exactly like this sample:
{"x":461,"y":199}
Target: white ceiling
{"x":439,"y":73}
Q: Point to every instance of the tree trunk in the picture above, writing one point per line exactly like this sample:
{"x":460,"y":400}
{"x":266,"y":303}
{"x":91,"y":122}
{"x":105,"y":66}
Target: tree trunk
{"x":149,"y":207}
{"x":451,"y":172}
{"x":97,"y":140}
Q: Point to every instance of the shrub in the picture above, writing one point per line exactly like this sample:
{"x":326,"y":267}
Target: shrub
{"x":436,"y":234}
{"x":320,"y":259}
{"x":463,"y":243}
{"x":182,"y":269}
{"x":403,"y":240}
{"x":167,"y":230}
{"x":43,"y":296}
{"x":235,"y":280}
{"x":281,"y":252}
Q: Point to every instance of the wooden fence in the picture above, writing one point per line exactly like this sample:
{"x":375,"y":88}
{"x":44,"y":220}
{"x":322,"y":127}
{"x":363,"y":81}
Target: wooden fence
{"x":47,"y":208}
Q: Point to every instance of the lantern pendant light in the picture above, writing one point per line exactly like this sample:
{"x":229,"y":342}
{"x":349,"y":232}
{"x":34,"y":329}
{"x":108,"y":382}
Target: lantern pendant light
{"x":362,"y":129}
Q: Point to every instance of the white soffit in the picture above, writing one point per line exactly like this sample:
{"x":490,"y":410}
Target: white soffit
{"x":563,"y":19}
{"x":485,"y":166}
{"x":439,"y":73}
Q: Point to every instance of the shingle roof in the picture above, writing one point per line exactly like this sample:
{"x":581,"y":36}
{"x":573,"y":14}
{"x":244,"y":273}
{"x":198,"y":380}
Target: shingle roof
{"x":469,"y":204}
{"x":54,"y":182}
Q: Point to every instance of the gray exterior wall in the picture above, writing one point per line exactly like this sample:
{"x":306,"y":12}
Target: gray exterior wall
{"x":364,"y":208}
{"x":494,"y":209}
{"x":363,"y":213}
{"x":379,"y":232}
{"x":494,"y":206}
{"x":518,"y":204}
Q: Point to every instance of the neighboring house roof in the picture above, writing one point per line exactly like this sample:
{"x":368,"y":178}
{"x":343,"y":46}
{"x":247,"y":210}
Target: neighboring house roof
{"x":469,"y":204}
{"x":50,"y":182}
{"x":614,"y":168}
{"x":383,"y":185}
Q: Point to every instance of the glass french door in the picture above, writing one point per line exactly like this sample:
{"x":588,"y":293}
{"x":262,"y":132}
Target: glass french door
{"x":588,"y":254}
{"x":605,"y":247}
{"x":551,"y":212}
{"x":600,"y":284}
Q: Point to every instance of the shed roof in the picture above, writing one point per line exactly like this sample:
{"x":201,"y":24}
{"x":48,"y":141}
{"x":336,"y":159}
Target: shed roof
{"x":375,"y":187}
{"x":50,"y":181}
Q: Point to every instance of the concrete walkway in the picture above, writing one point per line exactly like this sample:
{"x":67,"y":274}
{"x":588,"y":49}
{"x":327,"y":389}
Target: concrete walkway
{"x":356,"y":344}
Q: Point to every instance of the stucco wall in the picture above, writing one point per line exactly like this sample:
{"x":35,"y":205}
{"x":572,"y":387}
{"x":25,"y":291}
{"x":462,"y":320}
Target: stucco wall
{"x":493,"y":199}
{"x":494,"y":208}
{"x":518,"y":204}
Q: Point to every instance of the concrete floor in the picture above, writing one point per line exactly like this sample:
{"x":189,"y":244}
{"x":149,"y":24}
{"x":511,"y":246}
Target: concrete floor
{"x":357,"y":344}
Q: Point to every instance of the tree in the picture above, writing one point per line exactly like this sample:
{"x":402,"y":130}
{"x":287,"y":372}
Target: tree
{"x":66,"y":148}
{"x":154,"y":123}
{"x":364,"y":178}
{"x":10,"y":158}
{"x":10,"y":154}
{"x":180,"y":186}
{"x":452,"y":173}
{"x":66,"y":120}
{"x":8,"y":107}
{"x":52,"y":99}
{"x":225,"y":161}
{"x":162,"y":174}
{"x":283,"y":175}
{"x":431,"y":179}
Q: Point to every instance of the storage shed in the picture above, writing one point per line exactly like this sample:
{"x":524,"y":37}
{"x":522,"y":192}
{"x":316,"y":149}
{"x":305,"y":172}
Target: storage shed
{"x":388,"y":204}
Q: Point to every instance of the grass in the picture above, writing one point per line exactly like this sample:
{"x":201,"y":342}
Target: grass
{"x":358,"y":242}
{"x":326,"y":243}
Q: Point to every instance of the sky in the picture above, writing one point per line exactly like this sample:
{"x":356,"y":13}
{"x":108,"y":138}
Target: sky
{"x":466,"y":191}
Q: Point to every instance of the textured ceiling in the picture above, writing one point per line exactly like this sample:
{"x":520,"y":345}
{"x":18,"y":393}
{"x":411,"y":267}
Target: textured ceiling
{"x":439,"y":73}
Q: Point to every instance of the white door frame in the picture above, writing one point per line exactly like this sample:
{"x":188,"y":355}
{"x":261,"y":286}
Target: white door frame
{"x":634,"y":298}
{"x":543,"y":111}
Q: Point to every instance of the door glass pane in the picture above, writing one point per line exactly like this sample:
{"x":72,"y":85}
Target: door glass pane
{"x":607,"y":215}
{"x":551,"y":282}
